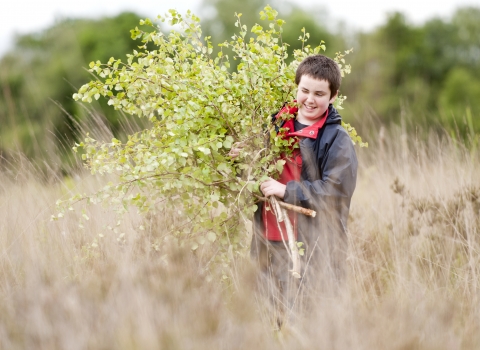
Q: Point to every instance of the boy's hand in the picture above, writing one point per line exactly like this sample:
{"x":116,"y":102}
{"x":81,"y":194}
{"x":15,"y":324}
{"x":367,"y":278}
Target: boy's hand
{"x":237,"y":147}
{"x":272,"y":187}
{"x":234,"y":152}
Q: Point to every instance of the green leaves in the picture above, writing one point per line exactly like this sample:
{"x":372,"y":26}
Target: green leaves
{"x":356,"y":139}
{"x":198,"y":110}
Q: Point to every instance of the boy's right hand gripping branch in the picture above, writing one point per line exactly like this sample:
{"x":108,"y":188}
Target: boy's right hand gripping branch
{"x":234,"y":152}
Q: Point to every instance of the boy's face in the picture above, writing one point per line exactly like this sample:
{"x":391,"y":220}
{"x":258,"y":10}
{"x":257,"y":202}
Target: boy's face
{"x":313,"y":98}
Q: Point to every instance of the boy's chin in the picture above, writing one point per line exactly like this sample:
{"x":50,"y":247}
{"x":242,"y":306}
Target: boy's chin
{"x":312,"y":116}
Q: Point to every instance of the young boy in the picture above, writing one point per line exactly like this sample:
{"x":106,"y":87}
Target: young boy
{"x":320,"y":175}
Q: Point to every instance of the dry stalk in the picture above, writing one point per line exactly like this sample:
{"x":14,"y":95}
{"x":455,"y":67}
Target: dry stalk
{"x":282,"y":215}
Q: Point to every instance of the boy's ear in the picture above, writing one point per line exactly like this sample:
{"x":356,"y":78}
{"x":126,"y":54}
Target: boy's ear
{"x":334,"y":97}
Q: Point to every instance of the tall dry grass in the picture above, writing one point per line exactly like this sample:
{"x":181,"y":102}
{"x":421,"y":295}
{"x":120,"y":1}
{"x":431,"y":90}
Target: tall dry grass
{"x":413,"y":268}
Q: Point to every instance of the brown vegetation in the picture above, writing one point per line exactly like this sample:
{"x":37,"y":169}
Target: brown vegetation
{"x":413,"y":279}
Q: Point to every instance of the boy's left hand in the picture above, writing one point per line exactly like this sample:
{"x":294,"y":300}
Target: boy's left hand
{"x":272,"y":187}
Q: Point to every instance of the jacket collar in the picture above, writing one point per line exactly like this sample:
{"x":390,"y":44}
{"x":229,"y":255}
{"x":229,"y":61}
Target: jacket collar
{"x":310,"y":131}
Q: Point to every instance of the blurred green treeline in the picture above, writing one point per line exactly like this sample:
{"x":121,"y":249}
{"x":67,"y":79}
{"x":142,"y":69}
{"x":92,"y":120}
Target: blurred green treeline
{"x":38,"y":116}
{"x":428,"y":74}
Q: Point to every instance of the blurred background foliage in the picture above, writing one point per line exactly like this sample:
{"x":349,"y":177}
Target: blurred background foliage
{"x":422,"y":76}
{"x":38,"y":116}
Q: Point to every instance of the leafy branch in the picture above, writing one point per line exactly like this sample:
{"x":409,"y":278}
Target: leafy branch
{"x":198,"y":108}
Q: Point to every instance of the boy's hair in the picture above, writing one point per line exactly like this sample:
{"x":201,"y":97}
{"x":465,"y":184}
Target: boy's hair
{"x":322,"y":68}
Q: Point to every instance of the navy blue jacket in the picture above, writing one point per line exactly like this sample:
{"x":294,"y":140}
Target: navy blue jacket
{"x":327,"y":182}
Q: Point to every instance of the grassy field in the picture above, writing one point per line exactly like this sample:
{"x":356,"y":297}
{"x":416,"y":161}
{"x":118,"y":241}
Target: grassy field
{"x":413,"y":268}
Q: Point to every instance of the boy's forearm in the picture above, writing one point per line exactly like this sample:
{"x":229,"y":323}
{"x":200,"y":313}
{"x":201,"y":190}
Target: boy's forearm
{"x":305,"y":193}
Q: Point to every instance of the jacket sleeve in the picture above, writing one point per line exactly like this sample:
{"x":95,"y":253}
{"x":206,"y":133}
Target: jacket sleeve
{"x":336,"y":175}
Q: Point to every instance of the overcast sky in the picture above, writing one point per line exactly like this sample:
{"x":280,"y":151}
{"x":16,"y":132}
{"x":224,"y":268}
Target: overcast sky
{"x":22,"y":16}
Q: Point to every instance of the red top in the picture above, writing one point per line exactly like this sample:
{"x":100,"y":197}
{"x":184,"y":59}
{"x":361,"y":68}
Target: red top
{"x":291,"y":172}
